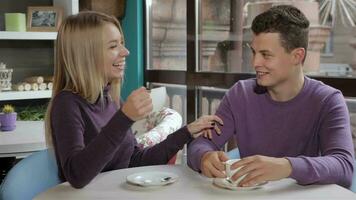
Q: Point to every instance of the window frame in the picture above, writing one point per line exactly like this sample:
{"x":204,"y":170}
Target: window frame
{"x":194,"y":79}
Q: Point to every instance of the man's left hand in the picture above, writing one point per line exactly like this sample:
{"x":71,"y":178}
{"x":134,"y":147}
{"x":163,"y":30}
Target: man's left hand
{"x":260,"y":169}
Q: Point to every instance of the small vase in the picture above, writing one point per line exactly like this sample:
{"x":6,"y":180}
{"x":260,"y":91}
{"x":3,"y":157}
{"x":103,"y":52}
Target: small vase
{"x":8,"y":121}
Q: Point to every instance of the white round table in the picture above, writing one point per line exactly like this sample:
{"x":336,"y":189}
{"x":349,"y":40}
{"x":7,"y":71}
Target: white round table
{"x":191,"y":185}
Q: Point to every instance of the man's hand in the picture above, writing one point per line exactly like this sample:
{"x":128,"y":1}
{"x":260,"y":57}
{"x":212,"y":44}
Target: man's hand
{"x":213,"y":164}
{"x":260,"y":169}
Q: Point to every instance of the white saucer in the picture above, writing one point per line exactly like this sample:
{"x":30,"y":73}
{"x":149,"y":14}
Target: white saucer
{"x":152,"y":178}
{"x":223,"y":183}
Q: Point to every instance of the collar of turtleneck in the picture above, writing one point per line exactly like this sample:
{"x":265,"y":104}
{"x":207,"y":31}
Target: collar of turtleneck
{"x":106,"y":89}
{"x":106,"y":95}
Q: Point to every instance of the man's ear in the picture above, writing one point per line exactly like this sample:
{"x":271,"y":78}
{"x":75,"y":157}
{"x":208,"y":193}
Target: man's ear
{"x":298,"y":55}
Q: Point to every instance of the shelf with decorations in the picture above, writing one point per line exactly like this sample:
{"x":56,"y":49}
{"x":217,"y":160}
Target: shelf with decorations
{"x":30,"y":53}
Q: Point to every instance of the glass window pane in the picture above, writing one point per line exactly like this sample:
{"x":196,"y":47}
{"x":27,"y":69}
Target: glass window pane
{"x":220,"y":36}
{"x":224,"y":32}
{"x":166,"y":34}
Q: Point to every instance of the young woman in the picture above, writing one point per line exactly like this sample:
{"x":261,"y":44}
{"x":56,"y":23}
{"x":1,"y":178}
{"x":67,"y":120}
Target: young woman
{"x":86,"y":122}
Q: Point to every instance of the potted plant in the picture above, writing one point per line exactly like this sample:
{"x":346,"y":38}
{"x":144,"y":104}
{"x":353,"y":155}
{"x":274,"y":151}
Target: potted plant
{"x":8,"y":118}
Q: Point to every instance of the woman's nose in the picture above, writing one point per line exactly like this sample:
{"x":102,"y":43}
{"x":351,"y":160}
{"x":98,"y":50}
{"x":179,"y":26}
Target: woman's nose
{"x":124,"y":52}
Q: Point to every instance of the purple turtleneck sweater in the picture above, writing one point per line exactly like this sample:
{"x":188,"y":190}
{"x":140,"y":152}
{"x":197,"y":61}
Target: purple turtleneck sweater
{"x":312,"y":130}
{"x":93,"y":138}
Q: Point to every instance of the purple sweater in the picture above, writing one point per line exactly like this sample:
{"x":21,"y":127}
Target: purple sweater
{"x":93,"y":138}
{"x":312,"y":130}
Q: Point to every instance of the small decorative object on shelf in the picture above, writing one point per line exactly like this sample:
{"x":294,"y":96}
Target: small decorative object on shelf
{"x":5,"y":77}
{"x":8,"y":118}
{"x":15,"y":22}
{"x":44,"y":18}
{"x":34,"y":83}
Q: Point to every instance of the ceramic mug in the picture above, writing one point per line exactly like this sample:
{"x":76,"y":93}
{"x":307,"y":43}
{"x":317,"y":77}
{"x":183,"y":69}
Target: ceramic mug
{"x":230,"y":173}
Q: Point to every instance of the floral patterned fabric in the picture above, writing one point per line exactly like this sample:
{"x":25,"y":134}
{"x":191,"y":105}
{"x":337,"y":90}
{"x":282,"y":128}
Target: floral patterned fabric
{"x":156,"y":127}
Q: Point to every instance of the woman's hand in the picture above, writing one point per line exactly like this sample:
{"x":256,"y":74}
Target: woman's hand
{"x":204,"y":125}
{"x":138,"y":105}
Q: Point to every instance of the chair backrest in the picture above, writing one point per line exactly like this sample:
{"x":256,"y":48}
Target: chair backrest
{"x":157,"y":126}
{"x":30,"y":176}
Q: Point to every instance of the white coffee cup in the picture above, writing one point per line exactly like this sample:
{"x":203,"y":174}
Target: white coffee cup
{"x":158,"y":96}
{"x":230,"y":173}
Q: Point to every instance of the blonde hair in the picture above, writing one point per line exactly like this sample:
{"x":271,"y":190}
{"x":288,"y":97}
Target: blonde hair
{"x":80,"y":61}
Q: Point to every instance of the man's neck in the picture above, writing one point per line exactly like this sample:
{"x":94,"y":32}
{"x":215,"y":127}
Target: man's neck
{"x":288,"y":90}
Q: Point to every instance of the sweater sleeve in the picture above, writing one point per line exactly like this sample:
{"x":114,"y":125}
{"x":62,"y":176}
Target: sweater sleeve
{"x":335,"y":165}
{"x":80,"y":163}
{"x":201,"y":145}
{"x":161,"y":152}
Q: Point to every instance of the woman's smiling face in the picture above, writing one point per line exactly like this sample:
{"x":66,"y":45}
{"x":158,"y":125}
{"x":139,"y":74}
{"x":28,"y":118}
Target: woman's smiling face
{"x":114,"y":53}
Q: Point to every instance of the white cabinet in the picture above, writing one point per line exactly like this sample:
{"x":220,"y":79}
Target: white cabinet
{"x":70,"y":7}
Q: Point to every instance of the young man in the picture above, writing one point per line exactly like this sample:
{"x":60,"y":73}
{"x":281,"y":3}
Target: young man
{"x":285,"y":124}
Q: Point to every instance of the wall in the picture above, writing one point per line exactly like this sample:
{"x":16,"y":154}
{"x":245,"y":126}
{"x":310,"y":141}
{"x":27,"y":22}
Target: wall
{"x":133,"y":32}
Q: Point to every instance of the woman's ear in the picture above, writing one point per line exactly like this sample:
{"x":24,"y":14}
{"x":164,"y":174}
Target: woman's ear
{"x":298,"y":55}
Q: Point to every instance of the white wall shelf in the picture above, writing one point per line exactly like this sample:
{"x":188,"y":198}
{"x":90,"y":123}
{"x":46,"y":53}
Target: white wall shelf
{"x":28,"y":137}
{"x":16,"y":95}
{"x":9,"y":35}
